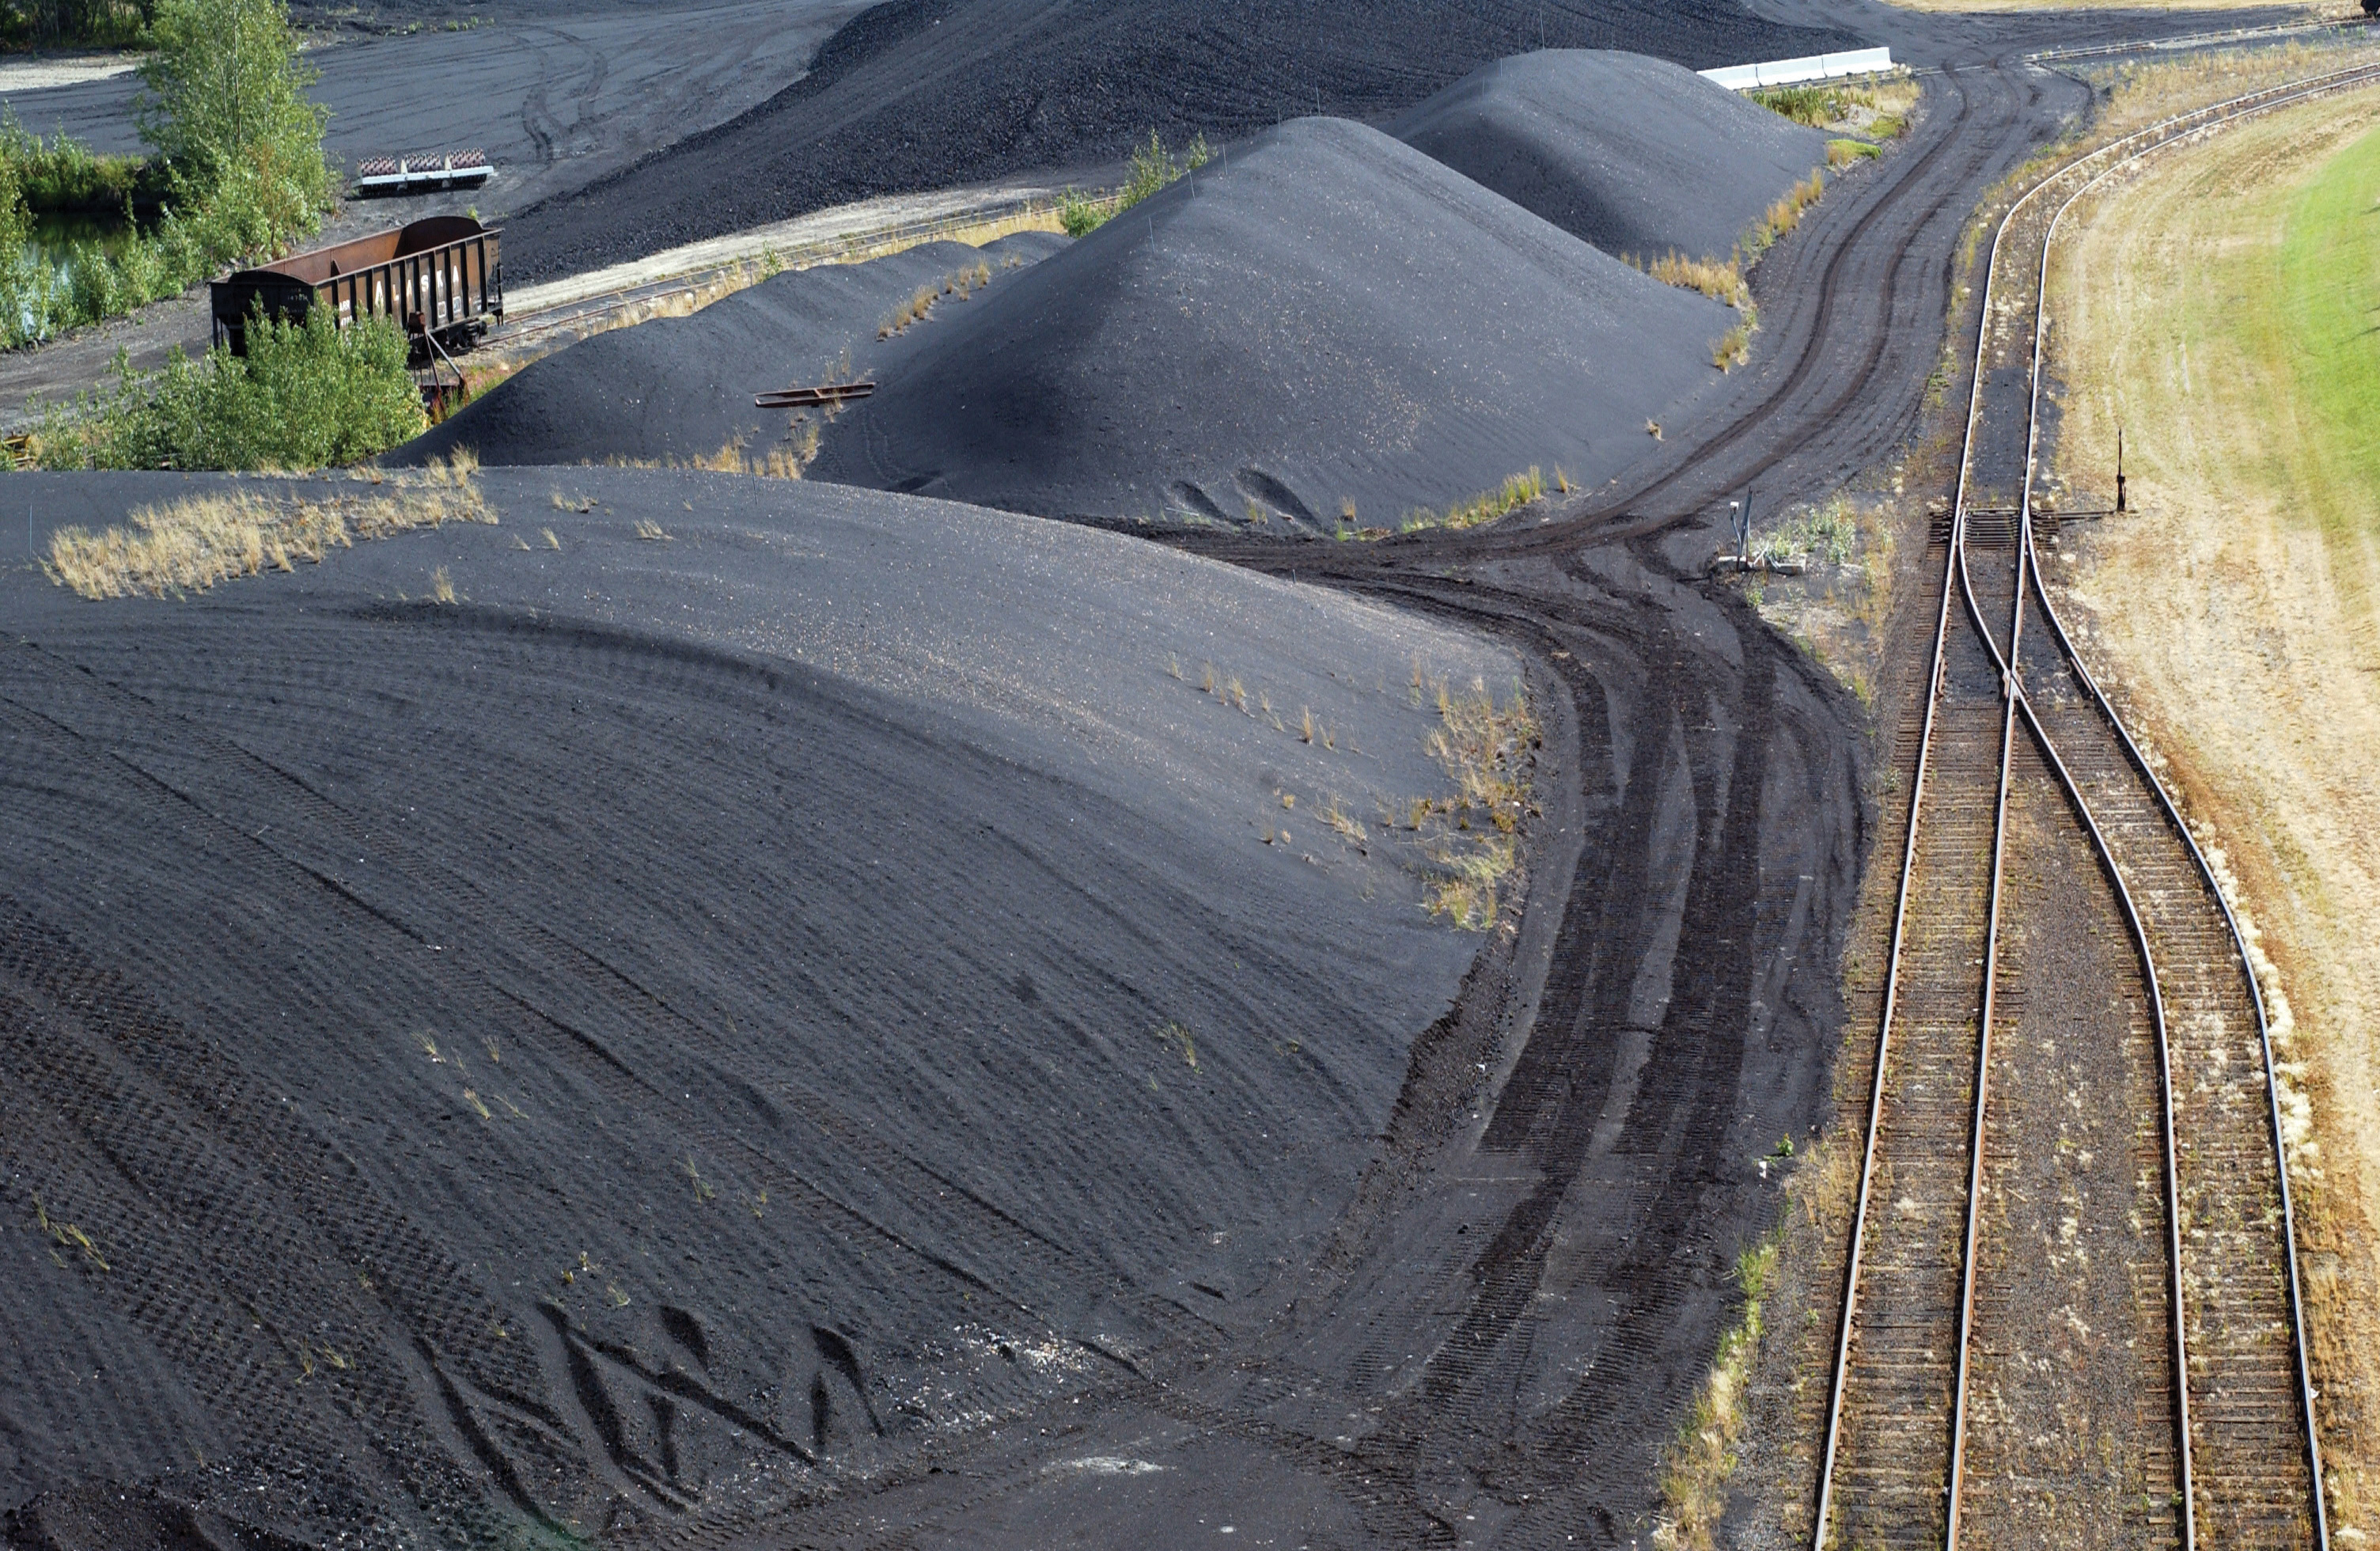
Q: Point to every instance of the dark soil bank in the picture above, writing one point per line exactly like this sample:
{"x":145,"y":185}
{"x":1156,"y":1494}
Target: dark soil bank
{"x":678,"y":389}
{"x":927,"y":93}
{"x":1328,"y":318}
{"x":689,"y":1022}
{"x":1638,"y":156}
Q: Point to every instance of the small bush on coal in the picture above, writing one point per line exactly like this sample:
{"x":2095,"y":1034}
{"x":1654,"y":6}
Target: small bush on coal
{"x":306,"y":396}
{"x":1153,"y":168}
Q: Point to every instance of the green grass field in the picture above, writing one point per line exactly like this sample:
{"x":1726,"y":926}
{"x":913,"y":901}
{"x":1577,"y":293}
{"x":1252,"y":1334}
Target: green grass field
{"x":2326,"y":309}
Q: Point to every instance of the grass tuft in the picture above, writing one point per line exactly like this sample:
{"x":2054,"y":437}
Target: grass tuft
{"x":1512,"y":494}
{"x":1734,"y":348}
{"x":1695,"y":1467}
{"x":1878,"y":107}
{"x":190,"y":545}
{"x":1830,"y":533}
{"x":1719,"y":279}
{"x":1485,"y":748}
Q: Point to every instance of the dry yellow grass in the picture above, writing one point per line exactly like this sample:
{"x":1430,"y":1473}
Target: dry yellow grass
{"x":1697,"y":1465}
{"x":1487,"y":748}
{"x":2237,"y":615}
{"x":2141,"y":94}
{"x":1719,"y":279}
{"x":188,"y":546}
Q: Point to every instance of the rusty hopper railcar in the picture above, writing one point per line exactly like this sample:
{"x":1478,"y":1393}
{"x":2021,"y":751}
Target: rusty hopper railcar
{"x":441,"y":279}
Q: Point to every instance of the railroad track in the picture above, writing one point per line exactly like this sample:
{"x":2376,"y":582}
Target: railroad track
{"x":1946,"y":1413}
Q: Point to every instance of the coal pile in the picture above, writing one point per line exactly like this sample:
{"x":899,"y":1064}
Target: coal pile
{"x":1325,"y":330}
{"x":521,"y":1035}
{"x":919,"y":94}
{"x":1638,"y":156}
{"x":679,"y":390}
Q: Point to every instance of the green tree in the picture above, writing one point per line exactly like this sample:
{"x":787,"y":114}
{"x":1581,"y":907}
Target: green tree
{"x":226,"y":108}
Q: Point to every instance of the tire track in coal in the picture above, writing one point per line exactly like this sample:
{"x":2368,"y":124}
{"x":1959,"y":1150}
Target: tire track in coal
{"x":456,"y":913}
{"x":1553,"y":1104}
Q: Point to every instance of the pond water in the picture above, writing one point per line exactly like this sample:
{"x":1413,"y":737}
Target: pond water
{"x":56,"y":235}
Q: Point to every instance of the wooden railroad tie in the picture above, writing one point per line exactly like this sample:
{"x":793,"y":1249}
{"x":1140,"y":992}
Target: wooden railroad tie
{"x":828,"y":393}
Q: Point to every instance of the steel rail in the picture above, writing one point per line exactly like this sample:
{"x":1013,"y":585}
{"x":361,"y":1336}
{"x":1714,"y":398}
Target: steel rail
{"x":2122,"y":151}
{"x":1893,"y":956}
{"x":2304,"y":92}
{"x":2009,"y":695}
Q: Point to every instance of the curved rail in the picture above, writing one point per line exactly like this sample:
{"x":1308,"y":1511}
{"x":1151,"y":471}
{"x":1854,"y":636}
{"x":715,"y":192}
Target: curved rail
{"x":2117,"y":153}
{"x":2304,"y":91}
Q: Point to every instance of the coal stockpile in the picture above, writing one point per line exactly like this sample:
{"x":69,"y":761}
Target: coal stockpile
{"x":1638,"y":156}
{"x":516,"y":1040}
{"x":927,"y":93}
{"x":1326,"y":323}
{"x":676,"y":390}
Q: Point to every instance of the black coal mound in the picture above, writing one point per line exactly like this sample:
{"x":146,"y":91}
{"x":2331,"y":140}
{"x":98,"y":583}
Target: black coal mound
{"x":735,"y":995}
{"x":1327,"y":321}
{"x":927,"y":94}
{"x":1639,"y":156}
{"x":676,"y":390}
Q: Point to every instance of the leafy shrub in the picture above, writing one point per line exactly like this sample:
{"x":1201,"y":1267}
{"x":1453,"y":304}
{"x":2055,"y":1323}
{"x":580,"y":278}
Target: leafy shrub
{"x":1813,"y":105}
{"x":1153,"y":168}
{"x":66,"y":174}
{"x":306,"y":396}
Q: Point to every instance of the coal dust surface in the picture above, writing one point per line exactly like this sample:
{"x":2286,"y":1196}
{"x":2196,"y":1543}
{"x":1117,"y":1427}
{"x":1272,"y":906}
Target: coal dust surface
{"x":1325,"y":330}
{"x":1638,"y":156}
{"x":532,"y":1032}
{"x":919,"y":94}
{"x":675,"y":390}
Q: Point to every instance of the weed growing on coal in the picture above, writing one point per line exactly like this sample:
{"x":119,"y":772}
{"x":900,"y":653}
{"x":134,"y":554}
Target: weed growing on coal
{"x":960,"y":285}
{"x":1471,"y":839}
{"x":1827,"y":533}
{"x":1784,"y":215}
{"x":1509,"y":497}
{"x":1734,"y":348}
{"x":1877,"y":107}
{"x":306,"y":396}
{"x":1719,"y":279}
{"x":1153,"y":168}
{"x":190,"y":545}
{"x":1695,"y":1467}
